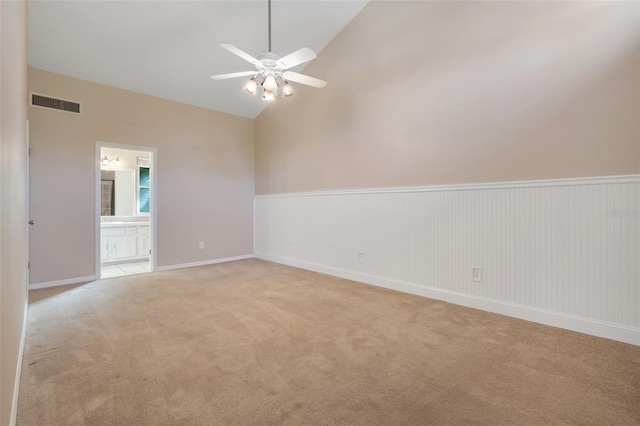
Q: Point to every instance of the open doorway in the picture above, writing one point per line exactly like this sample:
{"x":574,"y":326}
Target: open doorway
{"x":125,"y":209}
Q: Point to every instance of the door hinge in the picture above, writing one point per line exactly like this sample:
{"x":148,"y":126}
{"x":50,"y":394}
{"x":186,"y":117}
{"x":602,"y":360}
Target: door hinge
{"x":30,"y":151}
{"x":28,"y":265}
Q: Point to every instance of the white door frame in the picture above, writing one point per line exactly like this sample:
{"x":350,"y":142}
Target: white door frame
{"x":154,"y":205}
{"x":27,"y":254}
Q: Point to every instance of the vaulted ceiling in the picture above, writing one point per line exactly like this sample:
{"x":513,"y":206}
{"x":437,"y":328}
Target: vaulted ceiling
{"x":169,"y":49}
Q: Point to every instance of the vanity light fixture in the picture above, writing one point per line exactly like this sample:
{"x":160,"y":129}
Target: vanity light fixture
{"x":106,"y":160}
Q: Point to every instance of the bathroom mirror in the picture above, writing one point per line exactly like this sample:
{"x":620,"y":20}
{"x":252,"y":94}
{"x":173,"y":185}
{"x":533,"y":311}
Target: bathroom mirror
{"x":118,"y":193}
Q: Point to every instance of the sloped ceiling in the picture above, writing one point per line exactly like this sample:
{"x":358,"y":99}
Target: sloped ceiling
{"x":169,"y":49}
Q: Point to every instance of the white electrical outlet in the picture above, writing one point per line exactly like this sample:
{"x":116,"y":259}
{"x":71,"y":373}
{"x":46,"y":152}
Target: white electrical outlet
{"x":476,"y":274}
{"x":201,"y":244}
{"x":361,"y":257}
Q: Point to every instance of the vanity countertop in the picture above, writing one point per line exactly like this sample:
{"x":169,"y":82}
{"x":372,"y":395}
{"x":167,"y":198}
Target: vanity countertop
{"x":120,"y":224}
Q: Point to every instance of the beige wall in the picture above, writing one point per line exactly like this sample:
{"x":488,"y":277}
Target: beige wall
{"x":453,"y":92}
{"x":205,"y":172}
{"x":13,"y":193}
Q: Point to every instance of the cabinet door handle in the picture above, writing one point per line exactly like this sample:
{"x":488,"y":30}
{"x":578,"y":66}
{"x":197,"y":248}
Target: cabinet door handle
{"x":106,"y":246}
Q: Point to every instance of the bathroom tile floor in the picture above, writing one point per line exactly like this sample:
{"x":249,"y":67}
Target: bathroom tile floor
{"x":121,"y":269}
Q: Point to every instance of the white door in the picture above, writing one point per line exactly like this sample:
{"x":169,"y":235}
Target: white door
{"x":105,"y":244}
{"x":144,"y":242}
{"x":28,"y":218}
{"x":124,"y":247}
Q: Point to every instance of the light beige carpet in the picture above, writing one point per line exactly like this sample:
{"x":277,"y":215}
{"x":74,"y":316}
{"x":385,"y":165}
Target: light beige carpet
{"x":257,"y":343}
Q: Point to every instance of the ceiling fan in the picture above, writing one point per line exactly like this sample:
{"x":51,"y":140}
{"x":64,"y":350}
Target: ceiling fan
{"x":272,"y":71}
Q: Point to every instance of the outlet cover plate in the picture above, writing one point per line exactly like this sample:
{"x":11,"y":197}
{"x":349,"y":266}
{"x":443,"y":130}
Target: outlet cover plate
{"x":476,"y":274}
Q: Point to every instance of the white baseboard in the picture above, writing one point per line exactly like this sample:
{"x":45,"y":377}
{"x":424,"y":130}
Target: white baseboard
{"x":90,"y":278}
{"x":16,"y":386}
{"x":48,"y":284}
{"x":611,"y":331}
{"x":204,"y":262}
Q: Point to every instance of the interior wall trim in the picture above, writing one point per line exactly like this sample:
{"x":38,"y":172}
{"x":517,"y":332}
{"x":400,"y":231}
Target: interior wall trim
{"x":204,"y":262}
{"x":90,"y":278}
{"x":464,"y":186}
{"x":569,"y":322}
{"x":87,"y":279}
{"x":560,"y":252}
{"x":16,"y":386}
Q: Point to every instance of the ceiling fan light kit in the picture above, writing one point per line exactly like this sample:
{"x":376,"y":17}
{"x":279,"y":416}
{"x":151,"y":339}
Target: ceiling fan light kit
{"x":273,"y":70}
{"x":268,"y":95}
{"x":287,"y":90}
{"x":251,"y":86}
{"x":270,"y":83}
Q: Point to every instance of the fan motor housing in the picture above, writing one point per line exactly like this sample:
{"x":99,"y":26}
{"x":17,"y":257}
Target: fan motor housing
{"x":268,"y":59}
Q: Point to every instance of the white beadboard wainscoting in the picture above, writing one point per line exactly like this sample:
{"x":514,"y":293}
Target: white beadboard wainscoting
{"x":561,"y":252}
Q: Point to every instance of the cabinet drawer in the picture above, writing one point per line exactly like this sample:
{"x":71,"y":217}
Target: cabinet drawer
{"x":131,"y":230}
{"x":112,"y":232}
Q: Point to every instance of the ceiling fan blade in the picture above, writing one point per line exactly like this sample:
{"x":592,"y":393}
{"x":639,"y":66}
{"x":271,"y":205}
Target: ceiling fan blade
{"x":296,"y":58}
{"x":244,"y":55}
{"x":304,"y":79}
{"x":232,"y":75}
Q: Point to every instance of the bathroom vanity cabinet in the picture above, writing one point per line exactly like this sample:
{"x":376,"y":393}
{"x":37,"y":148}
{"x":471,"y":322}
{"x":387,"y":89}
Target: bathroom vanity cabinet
{"x":124,"y":242}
